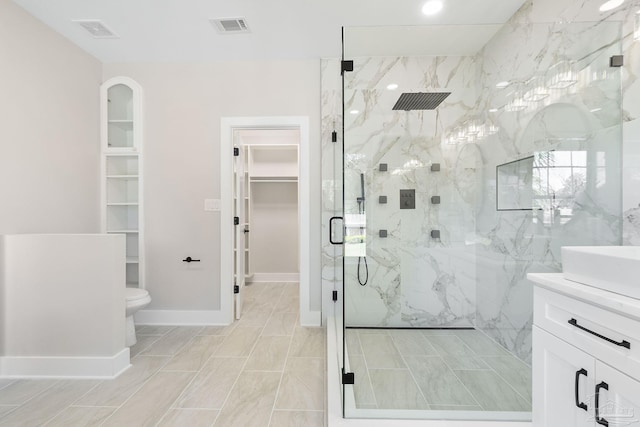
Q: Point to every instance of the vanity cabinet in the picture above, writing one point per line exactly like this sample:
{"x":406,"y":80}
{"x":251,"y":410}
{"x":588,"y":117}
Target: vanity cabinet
{"x":121,"y":170}
{"x":586,"y":358}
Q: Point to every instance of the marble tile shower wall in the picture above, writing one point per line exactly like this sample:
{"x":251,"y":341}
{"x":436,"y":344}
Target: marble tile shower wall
{"x":414,"y":280}
{"x":507,"y":245}
{"x":585,"y":119}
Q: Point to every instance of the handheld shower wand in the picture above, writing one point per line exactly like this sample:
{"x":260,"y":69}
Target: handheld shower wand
{"x":361,"y":208}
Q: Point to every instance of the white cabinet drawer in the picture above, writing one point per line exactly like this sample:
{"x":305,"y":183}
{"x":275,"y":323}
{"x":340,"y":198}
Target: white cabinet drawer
{"x":599,"y":332}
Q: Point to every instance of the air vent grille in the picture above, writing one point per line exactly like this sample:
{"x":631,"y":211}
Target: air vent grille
{"x":420,"y":101}
{"x":230,"y":25}
{"x":97,"y":28}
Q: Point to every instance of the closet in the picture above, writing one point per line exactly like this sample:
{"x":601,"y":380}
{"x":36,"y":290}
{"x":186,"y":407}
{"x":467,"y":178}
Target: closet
{"x":271,"y":205}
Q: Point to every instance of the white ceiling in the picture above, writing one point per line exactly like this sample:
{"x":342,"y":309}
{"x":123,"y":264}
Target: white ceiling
{"x":179,"y":30}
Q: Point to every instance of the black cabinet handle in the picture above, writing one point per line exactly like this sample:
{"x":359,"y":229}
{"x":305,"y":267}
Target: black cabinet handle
{"x":189,"y":259}
{"x":331,"y":230}
{"x":579,"y":404}
{"x":622,"y":343}
{"x":599,"y":419}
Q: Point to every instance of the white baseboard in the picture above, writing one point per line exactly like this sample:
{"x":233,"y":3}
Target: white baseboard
{"x":65,"y":367}
{"x":180,"y":317}
{"x":274,"y":277}
{"x":310,"y":318}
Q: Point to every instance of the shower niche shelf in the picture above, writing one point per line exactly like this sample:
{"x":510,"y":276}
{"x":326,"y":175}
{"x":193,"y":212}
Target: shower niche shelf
{"x":121,"y":170}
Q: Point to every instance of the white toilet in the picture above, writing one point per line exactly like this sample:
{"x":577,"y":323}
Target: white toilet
{"x":136,"y":299}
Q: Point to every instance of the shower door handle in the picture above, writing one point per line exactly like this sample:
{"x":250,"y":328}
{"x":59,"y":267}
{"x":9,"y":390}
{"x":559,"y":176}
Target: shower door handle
{"x":333,"y":242}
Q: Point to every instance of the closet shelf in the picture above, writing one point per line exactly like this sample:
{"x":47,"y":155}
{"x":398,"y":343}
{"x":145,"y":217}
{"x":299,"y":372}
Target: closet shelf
{"x":133,"y":260}
{"x":274,"y":179}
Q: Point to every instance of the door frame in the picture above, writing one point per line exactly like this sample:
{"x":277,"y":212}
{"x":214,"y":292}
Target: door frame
{"x":228,"y":125}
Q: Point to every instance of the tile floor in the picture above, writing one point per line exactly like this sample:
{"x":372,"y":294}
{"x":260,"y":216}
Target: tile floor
{"x":264,"y":370}
{"x":435,"y":370}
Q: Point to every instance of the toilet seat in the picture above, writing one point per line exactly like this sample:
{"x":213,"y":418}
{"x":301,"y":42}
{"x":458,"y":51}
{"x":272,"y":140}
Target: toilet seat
{"x":133,"y":295}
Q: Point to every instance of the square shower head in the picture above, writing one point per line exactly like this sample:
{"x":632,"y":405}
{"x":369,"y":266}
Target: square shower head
{"x":420,"y":100}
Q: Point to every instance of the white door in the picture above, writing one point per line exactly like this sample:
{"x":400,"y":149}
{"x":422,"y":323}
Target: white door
{"x":563,"y":383}
{"x":618,"y":397}
{"x":239,"y":227}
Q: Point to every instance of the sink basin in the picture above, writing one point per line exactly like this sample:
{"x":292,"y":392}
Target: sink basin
{"x":611,"y":268}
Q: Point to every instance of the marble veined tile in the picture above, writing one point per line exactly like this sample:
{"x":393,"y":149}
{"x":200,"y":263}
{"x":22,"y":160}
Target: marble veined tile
{"x":218,"y":330}
{"x":5,"y":383}
{"x":48,"y":404}
{"x":211,"y":386}
{"x":157,"y":330}
{"x":465,"y":362}
{"x":362,"y":389}
{"x":195,"y":353}
{"x":513,"y":371}
{"x":480,"y":343}
{"x":81,"y":416}
{"x":188,"y":417}
{"x":380,"y":352}
{"x":254,"y":318}
{"x":288,"y":303}
{"x":353,"y":342}
{"x":5,"y":409}
{"x":143,"y":342}
{"x":492,"y":392}
{"x":148,"y":405}
{"x":18,"y":392}
{"x":396,"y":389}
{"x":115,"y":392}
{"x":438,"y":383}
{"x":297,"y":419}
{"x":307,"y":342}
{"x":269,"y":354}
{"x":410,"y":342}
{"x":172,"y":341}
{"x":281,"y":324}
{"x":302,"y":384}
{"x":239,"y":343}
{"x":450,"y":345}
{"x":251,"y":401}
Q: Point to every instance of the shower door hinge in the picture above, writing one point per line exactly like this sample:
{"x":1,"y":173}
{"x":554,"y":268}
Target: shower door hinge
{"x":334,"y":136}
{"x":236,"y":151}
{"x":348,"y":377}
{"x":236,"y":289}
{"x":346,"y":66}
{"x":334,"y":296}
{"x":236,"y":220}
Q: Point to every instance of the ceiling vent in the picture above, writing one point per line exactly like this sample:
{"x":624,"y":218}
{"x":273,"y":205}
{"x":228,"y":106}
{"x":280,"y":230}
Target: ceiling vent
{"x":230,"y":25}
{"x":96,"y":28}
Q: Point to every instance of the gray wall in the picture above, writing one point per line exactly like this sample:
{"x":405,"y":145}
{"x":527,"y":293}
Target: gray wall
{"x":49,"y":129}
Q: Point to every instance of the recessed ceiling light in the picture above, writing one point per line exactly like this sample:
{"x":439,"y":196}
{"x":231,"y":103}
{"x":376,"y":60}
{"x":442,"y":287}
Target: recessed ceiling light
{"x":610,"y":4}
{"x":354,"y":112}
{"x":502,"y":85}
{"x":392,"y":86}
{"x":432,"y":7}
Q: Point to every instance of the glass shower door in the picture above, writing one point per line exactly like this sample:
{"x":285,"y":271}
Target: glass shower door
{"x":434,"y":270}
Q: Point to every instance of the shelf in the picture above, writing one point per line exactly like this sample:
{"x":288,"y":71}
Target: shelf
{"x":115,"y":122}
{"x":133,"y":260}
{"x":123,"y":176}
{"x":274,"y":179}
{"x":122,"y":231}
{"x":123,"y":204}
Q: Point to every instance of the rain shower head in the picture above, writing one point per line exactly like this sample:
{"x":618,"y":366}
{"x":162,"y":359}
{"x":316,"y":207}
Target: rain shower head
{"x":420,"y":100}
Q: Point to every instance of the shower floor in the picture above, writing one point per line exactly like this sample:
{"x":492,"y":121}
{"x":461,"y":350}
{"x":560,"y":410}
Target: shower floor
{"x":435,"y":369}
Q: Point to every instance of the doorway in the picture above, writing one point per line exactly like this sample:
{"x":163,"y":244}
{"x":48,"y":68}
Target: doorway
{"x":245,"y":131}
